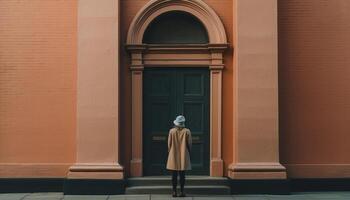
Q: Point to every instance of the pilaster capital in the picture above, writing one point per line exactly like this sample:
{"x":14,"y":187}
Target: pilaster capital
{"x":216,"y":67}
{"x":218,"y":47}
{"x":137,"y":67}
{"x":136,"y":48}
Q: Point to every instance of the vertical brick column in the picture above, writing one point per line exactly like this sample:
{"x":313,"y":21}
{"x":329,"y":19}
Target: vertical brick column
{"x":98,"y":92}
{"x":256,"y":92}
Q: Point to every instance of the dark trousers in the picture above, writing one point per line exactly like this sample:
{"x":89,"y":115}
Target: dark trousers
{"x":182,"y":179}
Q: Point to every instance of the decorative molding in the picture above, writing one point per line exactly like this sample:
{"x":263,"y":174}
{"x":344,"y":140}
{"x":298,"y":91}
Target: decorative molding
{"x":198,"y":8}
{"x":96,"y":168}
{"x":258,"y":167}
{"x":176,"y":55}
{"x":96,"y":171}
{"x":258,"y":170}
{"x":136,"y":68}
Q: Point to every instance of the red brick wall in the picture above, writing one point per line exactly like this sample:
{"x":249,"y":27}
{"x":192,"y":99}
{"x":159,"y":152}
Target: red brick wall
{"x":314,"y":81}
{"x":37,"y":81}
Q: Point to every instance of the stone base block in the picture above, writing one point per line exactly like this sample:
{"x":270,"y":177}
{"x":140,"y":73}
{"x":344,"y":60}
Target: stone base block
{"x":136,"y":168}
{"x":257,"y":171}
{"x":94,"y":179}
{"x":216,"y":168}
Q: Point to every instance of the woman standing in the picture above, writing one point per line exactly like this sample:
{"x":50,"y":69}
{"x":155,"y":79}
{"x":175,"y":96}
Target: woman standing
{"x":179,"y":147}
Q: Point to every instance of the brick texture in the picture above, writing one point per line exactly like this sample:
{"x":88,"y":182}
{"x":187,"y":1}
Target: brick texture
{"x":314,"y":78}
{"x":37,"y":81}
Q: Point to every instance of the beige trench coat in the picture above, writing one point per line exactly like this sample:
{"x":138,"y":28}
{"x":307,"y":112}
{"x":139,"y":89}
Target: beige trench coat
{"x":179,"y":146}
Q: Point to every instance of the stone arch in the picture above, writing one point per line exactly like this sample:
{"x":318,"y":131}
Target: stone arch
{"x":198,"y":8}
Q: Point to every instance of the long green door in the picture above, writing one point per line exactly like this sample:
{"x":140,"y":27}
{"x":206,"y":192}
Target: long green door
{"x":167,"y":93}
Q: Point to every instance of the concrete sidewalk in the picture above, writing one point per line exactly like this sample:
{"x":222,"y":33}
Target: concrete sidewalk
{"x":60,"y":196}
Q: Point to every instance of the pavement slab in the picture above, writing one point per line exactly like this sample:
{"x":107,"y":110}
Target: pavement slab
{"x":295,"y":196}
{"x":168,"y":197}
{"x":85,"y":197}
{"x":44,"y":196}
{"x":250,"y":197}
{"x":13,"y":196}
{"x":213,"y":198}
{"x":290,"y":197}
{"x":129,"y":197}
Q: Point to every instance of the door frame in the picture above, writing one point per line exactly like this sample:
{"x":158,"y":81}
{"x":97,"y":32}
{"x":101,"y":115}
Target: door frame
{"x":177,"y":73}
{"x":184,"y":55}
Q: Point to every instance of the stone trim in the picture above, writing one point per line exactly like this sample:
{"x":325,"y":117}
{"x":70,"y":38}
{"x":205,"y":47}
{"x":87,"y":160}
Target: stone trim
{"x":198,"y":8}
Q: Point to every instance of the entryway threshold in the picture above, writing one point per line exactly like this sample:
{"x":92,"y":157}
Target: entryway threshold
{"x":195,"y":185}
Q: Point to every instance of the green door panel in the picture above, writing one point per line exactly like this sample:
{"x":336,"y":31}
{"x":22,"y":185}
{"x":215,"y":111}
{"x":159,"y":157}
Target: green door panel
{"x":167,"y":93}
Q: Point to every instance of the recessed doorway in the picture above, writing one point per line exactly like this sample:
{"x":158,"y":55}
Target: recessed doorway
{"x":168,"y":92}
{"x":178,"y":36}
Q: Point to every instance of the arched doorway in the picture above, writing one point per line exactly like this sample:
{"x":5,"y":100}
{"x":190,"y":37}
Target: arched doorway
{"x":170,"y":91}
{"x":163,"y":60}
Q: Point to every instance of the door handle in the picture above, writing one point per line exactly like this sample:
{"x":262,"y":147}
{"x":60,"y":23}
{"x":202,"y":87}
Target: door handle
{"x":159,"y":138}
{"x":196,"y":139}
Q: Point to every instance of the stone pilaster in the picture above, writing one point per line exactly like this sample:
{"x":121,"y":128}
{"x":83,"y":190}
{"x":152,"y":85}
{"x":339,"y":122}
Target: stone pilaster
{"x":256,"y":153}
{"x":97,"y":139}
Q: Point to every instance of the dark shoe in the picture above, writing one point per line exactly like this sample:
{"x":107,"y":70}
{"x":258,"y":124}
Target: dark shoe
{"x":182,"y":194}
{"x":174,"y":194}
